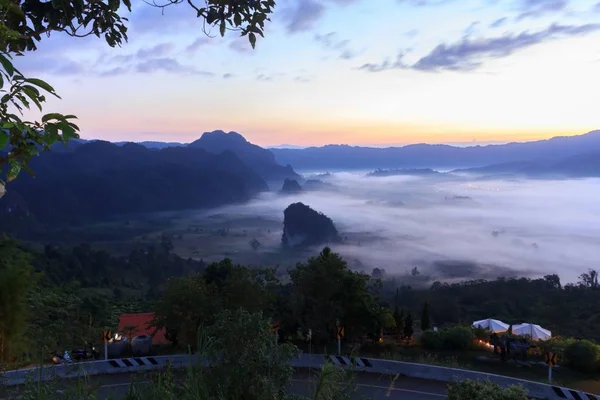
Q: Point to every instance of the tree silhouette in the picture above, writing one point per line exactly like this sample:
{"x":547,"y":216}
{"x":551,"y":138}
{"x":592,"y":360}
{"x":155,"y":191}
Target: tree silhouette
{"x":408,"y":327}
{"x":425,"y":320}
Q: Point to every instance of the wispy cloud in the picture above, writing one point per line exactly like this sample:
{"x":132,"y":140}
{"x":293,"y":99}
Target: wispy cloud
{"x":412,"y":33}
{"x":596,"y":7}
{"x":198,"y":44}
{"x":498,"y":23}
{"x":469,"y":54}
{"x":169,"y":65}
{"x":537,"y":8}
{"x":302,"y":15}
{"x":425,"y":3}
{"x":241,"y":45}
{"x":264,"y":77}
{"x":331,"y":41}
{"x":228,"y":76}
{"x":472,"y":28}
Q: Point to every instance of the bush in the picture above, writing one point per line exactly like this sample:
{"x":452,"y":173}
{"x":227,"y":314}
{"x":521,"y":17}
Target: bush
{"x":454,"y":338}
{"x":484,"y":390}
{"x":582,"y":356}
{"x":431,"y":340}
{"x":458,"y":338}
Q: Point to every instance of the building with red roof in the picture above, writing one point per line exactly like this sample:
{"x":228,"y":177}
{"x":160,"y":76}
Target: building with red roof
{"x":141,"y":324}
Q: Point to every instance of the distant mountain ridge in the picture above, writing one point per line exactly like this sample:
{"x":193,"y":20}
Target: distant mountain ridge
{"x":438,"y":156}
{"x":585,"y":165}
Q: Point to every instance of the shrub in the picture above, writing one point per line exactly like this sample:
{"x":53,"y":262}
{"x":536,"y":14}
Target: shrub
{"x":431,"y":340}
{"x":582,"y":356}
{"x":484,"y":390}
{"x":454,"y":338}
{"x":458,"y":338}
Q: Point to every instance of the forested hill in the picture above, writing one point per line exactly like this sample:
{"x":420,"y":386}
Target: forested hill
{"x":101,"y":179}
{"x":262,"y":161}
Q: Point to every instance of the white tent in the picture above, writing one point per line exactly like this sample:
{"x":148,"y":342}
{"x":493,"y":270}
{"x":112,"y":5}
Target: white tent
{"x":535,"y":331}
{"x":493,"y":325}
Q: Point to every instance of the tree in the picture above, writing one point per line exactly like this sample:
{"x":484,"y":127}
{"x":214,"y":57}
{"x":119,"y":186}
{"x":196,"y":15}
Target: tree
{"x":245,"y":362}
{"x":425,"y":320}
{"x":186,"y":304}
{"x":254,"y":244}
{"x":16,"y":281}
{"x":22,"y":26}
{"x":589,"y":279}
{"x":324,"y":290}
{"x":408,"y":327}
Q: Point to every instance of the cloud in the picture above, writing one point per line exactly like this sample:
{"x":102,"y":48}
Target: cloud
{"x":160,"y":50}
{"x":302,"y":15}
{"x":425,"y":3}
{"x":263,"y":77}
{"x":169,"y":65}
{"x":596,"y":8}
{"x":412,"y":33}
{"x":468,"y":54}
{"x":471,"y":28}
{"x":241,"y":45}
{"x":330,"y":41}
{"x":228,"y":76}
{"x":498,"y":23}
{"x":537,"y":8}
{"x":198,"y":44}
{"x":386,"y":64}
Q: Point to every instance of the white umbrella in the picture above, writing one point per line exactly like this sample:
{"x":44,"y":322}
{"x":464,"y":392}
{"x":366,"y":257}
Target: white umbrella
{"x":493,"y":325}
{"x":535,"y":331}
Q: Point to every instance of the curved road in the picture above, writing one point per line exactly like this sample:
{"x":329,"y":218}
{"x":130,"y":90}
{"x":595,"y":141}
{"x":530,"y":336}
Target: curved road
{"x":369,"y":386}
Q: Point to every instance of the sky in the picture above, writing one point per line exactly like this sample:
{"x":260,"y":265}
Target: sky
{"x":362,"y":72}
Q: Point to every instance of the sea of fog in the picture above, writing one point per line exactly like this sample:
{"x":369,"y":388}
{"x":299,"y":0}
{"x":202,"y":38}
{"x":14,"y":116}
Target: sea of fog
{"x":506,"y":227}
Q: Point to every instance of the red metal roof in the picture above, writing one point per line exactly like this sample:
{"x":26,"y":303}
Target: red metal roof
{"x":141,"y":322}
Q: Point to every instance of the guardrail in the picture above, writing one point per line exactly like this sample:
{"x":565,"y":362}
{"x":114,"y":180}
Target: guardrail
{"x":369,"y":365}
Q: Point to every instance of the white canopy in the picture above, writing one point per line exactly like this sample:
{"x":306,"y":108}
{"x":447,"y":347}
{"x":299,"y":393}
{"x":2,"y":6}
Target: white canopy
{"x":535,"y":331}
{"x":493,"y":325}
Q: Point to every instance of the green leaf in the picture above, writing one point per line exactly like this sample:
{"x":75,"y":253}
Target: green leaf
{"x":13,"y":172}
{"x":40,"y":83}
{"x":223,"y":28}
{"x":7,"y":65}
{"x":252,"y":38}
{"x":237,"y":19}
{"x":3,"y":139}
{"x":68,"y":131}
{"x":30,"y":91}
{"x":52,"y":116}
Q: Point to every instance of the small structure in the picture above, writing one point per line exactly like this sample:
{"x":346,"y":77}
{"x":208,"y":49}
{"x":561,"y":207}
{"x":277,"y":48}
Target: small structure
{"x":140,"y":325}
{"x":536,"y":332}
{"x":492,"y":325}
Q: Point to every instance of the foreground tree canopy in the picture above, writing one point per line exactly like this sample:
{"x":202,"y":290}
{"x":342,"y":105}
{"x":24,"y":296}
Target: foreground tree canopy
{"x":24,"y":24}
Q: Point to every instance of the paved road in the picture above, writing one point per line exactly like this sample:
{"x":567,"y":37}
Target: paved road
{"x":371,"y":386}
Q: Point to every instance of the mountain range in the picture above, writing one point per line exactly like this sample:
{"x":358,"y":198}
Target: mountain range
{"x":88,"y":181}
{"x":344,"y":157}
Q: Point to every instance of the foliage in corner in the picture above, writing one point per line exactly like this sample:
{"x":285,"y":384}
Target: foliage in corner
{"x":484,"y":390}
{"x":22,"y":25}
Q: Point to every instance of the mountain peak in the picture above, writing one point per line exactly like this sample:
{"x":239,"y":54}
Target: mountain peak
{"x":221,"y":136}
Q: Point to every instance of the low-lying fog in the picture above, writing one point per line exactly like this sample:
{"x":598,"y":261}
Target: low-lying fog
{"x":520,"y":227}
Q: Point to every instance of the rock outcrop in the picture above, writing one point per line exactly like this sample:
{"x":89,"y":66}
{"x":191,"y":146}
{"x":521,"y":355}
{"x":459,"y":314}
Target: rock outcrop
{"x":291,"y":186}
{"x":303,"y":226}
